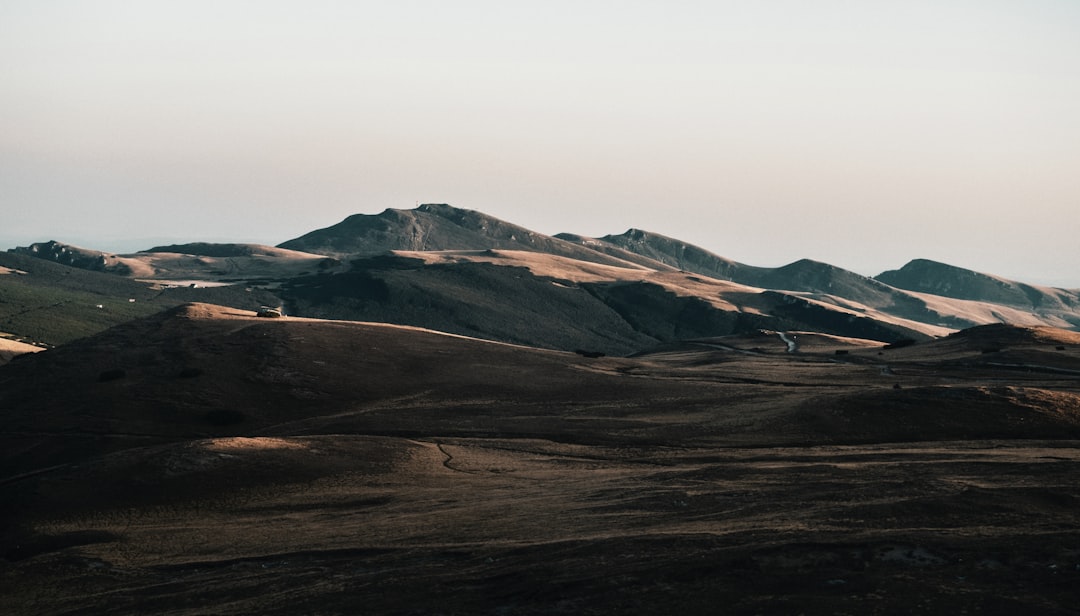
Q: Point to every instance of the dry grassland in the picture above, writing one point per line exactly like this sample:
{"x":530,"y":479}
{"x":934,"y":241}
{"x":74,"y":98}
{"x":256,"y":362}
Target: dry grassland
{"x":241,"y":465}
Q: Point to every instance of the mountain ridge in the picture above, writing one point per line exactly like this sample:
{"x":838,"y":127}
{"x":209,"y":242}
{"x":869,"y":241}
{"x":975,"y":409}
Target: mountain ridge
{"x":433,"y":227}
{"x":469,"y":273}
{"x":928,"y":276}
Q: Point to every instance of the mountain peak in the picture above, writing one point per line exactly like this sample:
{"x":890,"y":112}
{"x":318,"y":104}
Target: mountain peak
{"x":676,"y":253}
{"x":439,"y":208}
{"x":810,"y":264}
{"x":926,"y":276}
{"x":434,"y":227}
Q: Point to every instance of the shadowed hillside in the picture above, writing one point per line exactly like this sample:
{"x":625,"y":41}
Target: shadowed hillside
{"x":613,"y":311}
{"x":204,"y":460}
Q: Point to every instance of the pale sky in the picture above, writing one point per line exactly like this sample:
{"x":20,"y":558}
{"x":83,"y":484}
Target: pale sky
{"x":859,"y":133}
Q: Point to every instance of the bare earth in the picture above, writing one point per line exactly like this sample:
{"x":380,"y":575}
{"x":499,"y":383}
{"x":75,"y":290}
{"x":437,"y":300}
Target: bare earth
{"x":244,"y":465}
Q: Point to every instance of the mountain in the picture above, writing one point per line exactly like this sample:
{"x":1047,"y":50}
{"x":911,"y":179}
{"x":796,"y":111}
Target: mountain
{"x":555,"y":302}
{"x":675,"y":253}
{"x":843,"y":288}
{"x":464,"y":272}
{"x":822,"y":281}
{"x":614,"y":250}
{"x":432,"y":227}
{"x":931,"y":277}
{"x":75,"y":256}
{"x":524,"y":297}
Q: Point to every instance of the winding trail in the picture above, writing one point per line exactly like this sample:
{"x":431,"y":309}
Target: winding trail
{"x":450,"y":458}
{"x":792,"y":346}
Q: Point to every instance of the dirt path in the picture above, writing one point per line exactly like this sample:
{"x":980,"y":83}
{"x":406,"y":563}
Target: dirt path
{"x":792,"y":345}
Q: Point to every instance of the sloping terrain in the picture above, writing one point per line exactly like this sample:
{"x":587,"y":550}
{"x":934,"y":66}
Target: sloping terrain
{"x":554,"y":302}
{"x":186,"y":264}
{"x":523,"y":297}
{"x":205,"y":460}
{"x":681,"y":255}
{"x":464,"y":272}
{"x":75,"y":256}
{"x":923,"y":291}
{"x":10,"y":349}
{"x":434,"y":227}
{"x":931,"y":277}
{"x":50,"y":303}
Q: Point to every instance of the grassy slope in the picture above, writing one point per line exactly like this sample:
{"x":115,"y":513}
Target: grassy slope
{"x":54,"y":304}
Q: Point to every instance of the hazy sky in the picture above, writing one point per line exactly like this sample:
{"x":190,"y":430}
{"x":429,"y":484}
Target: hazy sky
{"x":859,"y":133}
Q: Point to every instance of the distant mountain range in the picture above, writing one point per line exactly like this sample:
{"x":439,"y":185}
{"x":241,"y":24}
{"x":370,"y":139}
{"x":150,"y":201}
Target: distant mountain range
{"x":464,"y":272}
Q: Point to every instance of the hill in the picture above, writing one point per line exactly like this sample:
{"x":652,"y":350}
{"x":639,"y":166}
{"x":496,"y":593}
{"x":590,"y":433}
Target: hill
{"x":207,"y":249}
{"x":52,"y":304}
{"x":434,"y":227}
{"x":554,"y":302}
{"x":465,"y":272}
{"x":921,"y":291}
{"x":935,"y":278}
{"x":204,"y":460}
{"x":681,"y":255}
{"x":200,"y":370}
{"x":10,"y":349}
{"x":75,"y":256}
